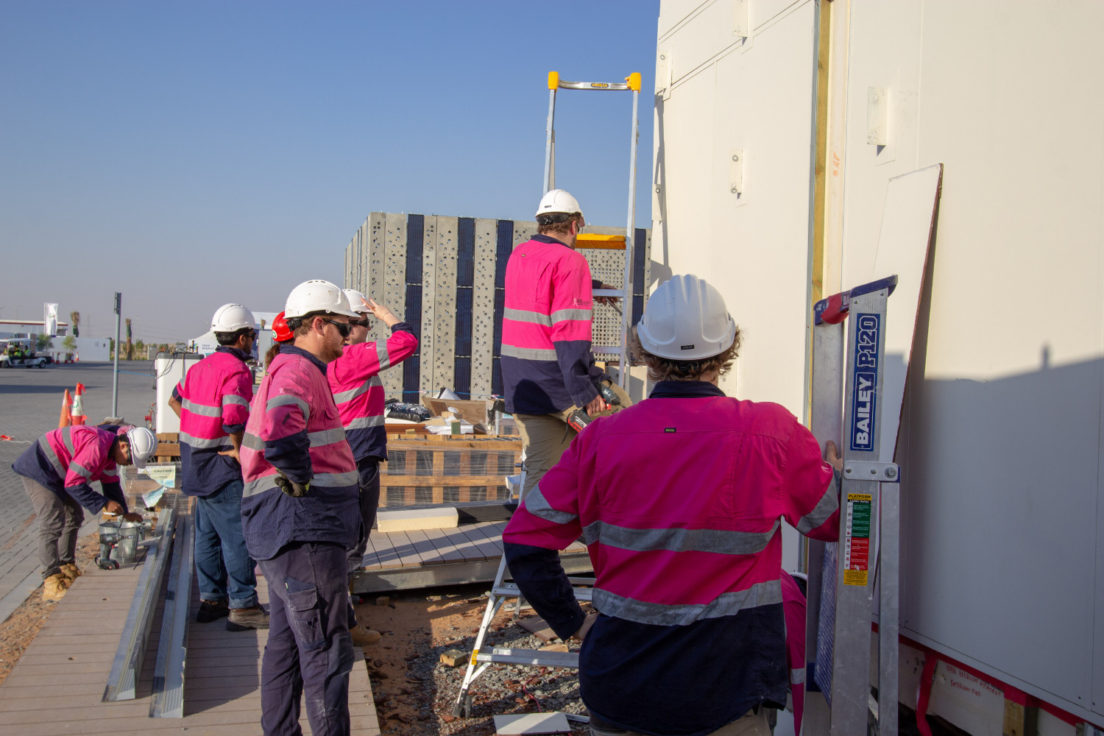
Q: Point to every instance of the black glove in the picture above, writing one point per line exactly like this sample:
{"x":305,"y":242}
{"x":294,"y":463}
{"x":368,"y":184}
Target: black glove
{"x":291,"y":488}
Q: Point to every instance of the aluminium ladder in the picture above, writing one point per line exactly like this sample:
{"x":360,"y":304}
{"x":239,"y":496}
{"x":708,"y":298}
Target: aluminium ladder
{"x":842,"y":576}
{"x":501,"y":589}
{"x":625,"y":293}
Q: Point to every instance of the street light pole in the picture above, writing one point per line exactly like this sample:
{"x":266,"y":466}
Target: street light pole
{"x":115,"y":377}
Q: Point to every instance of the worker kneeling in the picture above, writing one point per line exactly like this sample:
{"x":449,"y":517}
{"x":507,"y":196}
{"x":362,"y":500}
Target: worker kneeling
{"x":678,"y":499}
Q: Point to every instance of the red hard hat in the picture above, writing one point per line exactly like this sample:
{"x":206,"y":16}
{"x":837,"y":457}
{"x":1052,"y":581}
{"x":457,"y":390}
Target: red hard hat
{"x":280,"y":330}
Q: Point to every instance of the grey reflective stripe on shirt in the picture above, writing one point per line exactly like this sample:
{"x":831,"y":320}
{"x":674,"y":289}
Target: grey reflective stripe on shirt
{"x":234,"y":399}
{"x":201,"y":443}
{"x":260,"y":485}
{"x":684,"y":614}
{"x":342,"y":397}
{"x":335,"y":480}
{"x":797,"y":677}
{"x":346,"y":396}
{"x":81,"y":471}
{"x":524,"y":315}
{"x":253,"y":442}
{"x":571,"y":315}
{"x":201,"y":409}
{"x":363,"y":422}
{"x":51,"y":456}
{"x":326,"y":437}
{"x":67,"y":440}
{"x":322,"y":480}
{"x":382,"y":356}
{"x":536,"y":505}
{"x":528,"y":353}
{"x":288,"y":399}
{"x":678,"y":540}
{"x":826,"y":506}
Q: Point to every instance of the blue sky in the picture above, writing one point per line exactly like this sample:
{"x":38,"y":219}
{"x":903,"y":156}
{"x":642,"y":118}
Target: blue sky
{"x":197,"y":152}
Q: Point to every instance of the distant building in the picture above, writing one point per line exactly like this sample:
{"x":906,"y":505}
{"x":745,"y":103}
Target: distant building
{"x":445,"y":276}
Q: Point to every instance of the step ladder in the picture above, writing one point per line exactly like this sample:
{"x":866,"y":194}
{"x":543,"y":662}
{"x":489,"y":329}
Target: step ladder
{"x":590,"y":240}
{"x":501,"y":592}
{"x":848,"y":373}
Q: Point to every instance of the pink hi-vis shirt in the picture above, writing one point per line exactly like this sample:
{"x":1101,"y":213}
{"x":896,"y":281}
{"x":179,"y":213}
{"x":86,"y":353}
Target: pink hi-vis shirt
{"x":294,"y":429}
{"x":358,"y":391}
{"x":69,"y":459}
{"x":214,"y":403}
{"x":547,"y":365}
{"x":679,"y":500}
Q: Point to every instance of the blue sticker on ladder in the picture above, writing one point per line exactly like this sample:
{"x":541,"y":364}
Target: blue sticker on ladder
{"x":864,"y":400}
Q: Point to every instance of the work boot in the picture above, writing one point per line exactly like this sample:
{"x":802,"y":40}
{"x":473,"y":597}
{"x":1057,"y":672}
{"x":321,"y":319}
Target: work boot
{"x":54,"y":587}
{"x":243,"y":619}
{"x":210,"y":611}
{"x":71,"y":571}
{"x":363,"y":636}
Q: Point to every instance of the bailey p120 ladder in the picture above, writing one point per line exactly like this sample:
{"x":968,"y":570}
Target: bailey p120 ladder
{"x":842,"y":576}
{"x":501,"y":589}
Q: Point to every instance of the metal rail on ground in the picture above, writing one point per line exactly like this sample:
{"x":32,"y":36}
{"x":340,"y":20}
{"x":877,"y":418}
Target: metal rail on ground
{"x":172,"y":649}
{"x":127,"y":665}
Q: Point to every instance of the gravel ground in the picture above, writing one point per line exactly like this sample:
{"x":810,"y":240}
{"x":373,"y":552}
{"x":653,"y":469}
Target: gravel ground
{"x":415,"y":689}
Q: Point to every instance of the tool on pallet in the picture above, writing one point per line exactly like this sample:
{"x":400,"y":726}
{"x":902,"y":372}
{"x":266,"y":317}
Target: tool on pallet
{"x":502,"y":590}
{"x":587,"y":240}
{"x":848,"y":372}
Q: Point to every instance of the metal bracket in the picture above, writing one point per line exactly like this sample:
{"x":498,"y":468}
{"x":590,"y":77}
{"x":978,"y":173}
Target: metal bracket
{"x":736,"y":173}
{"x":860,"y":470}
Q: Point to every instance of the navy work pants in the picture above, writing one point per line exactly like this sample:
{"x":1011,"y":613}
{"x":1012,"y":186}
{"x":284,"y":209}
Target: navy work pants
{"x":309,"y":651}
{"x":369,"y":484}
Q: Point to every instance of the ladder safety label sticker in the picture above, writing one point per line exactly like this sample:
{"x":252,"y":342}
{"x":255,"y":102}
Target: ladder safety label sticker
{"x":868,"y":330}
{"x":856,"y":547}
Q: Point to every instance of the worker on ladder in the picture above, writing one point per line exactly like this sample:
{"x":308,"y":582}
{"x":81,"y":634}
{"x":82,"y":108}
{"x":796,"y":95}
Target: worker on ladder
{"x":679,"y":500}
{"x":548,"y":370}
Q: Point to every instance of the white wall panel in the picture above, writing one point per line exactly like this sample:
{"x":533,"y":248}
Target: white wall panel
{"x":1000,"y":559}
{"x":752,"y":100}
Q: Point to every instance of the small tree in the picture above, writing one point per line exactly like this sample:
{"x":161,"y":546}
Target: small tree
{"x":70,"y":344}
{"x":42,"y":342}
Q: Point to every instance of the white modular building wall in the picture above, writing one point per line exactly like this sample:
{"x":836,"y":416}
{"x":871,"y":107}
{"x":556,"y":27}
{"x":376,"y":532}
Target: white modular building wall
{"x":1002,"y":563}
{"x":1002,"y":567}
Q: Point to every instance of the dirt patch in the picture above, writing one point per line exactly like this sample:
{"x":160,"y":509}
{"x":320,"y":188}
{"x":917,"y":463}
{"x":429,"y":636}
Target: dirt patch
{"x":415,"y":691}
{"x":21,"y":627}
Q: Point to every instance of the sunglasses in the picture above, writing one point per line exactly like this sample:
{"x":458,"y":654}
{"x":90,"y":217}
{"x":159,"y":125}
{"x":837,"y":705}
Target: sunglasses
{"x":342,"y":327}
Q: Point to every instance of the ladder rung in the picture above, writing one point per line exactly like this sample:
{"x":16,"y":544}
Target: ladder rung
{"x":510,"y":590}
{"x":502,"y":655}
{"x":616,"y":293}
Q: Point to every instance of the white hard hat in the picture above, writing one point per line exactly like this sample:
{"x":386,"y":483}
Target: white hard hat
{"x":558,"y":201}
{"x":143,"y":443}
{"x":231,"y":318}
{"x":356,"y":301}
{"x":686,"y":319}
{"x":317,"y":295}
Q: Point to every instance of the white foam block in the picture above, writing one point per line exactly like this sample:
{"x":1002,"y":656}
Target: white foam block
{"x":532,"y":723}
{"x":402,"y":520}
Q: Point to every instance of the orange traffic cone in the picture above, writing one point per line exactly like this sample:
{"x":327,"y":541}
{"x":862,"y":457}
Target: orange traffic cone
{"x":66,"y":418}
{"x":77,"y":413}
